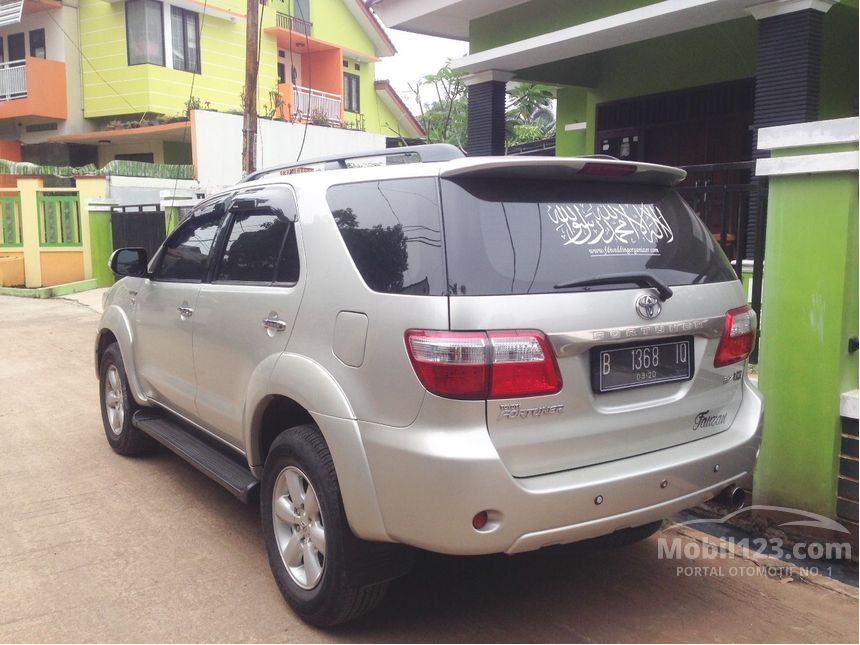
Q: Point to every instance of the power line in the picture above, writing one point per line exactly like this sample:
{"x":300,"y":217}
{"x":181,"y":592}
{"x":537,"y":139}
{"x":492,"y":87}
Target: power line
{"x":93,"y":67}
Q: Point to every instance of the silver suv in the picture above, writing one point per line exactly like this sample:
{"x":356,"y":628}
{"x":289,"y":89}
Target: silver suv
{"x":463,"y":355}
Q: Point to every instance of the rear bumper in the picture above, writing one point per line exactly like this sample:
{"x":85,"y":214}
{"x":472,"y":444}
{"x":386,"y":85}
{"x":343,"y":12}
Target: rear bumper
{"x":430,"y":482}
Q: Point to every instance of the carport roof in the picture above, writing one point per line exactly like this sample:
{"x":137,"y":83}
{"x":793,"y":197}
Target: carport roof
{"x":644,"y":23}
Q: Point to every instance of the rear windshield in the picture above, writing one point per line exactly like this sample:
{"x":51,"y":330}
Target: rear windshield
{"x":526,"y":236}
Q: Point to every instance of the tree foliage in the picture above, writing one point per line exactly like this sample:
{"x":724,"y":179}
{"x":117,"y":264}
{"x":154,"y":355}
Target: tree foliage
{"x":443,"y":109}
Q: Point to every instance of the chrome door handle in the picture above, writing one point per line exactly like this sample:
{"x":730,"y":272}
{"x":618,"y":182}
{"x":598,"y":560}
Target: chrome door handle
{"x":185,"y":312}
{"x":274,"y":324}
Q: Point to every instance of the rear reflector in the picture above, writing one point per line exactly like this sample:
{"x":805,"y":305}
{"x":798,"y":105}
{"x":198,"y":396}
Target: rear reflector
{"x":483,"y":365}
{"x":738,"y":337}
{"x":607,"y":169}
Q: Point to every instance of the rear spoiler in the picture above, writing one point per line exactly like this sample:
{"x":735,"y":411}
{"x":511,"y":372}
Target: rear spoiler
{"x":570,"y":168}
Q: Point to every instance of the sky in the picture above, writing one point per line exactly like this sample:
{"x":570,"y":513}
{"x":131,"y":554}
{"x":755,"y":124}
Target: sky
{"x":416,"y":57}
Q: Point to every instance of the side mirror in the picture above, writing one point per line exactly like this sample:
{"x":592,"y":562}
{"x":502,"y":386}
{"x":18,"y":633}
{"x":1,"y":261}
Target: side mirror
{"x":128,"y":262}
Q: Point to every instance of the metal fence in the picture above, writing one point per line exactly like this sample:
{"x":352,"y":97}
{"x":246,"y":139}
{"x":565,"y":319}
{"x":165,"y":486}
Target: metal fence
{"x":13,"y":80}
{"x":10,"y":221}
{"x":724,"y":195}
{"x":59,"y":215}
{"x":299,"y":26}
{"x":309,"y":103}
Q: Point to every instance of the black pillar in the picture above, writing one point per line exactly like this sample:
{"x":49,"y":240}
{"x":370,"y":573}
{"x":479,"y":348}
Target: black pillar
{"x":487,"y":118}
{"x":788,"y":73}
{"x":787,"y":82}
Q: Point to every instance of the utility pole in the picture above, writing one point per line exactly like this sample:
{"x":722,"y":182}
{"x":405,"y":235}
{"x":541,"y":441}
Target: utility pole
{"x":249,"y":126}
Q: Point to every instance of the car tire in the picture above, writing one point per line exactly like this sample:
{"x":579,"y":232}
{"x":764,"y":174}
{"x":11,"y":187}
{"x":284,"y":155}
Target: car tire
{"x":118,"y":406}
{"x":308,"y":539}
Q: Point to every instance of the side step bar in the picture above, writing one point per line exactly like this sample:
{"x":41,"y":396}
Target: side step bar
{"x":205,"y":457}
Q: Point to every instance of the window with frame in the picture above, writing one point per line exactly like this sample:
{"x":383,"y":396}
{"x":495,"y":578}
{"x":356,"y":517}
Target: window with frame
{"x":144,"y":26}
{"x":37,"y":43}
{"x":351,"y":92}
{"x":254,"y":246}
{"x":185,"y":256}
{"x":185,"y":37}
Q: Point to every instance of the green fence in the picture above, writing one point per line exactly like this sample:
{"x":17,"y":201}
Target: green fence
{"x":10,"y":221}
{"x":59,"y":219}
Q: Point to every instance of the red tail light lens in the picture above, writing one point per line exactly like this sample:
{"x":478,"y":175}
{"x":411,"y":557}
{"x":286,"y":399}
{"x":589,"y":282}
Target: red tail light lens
{"x":483,"y":365}
{"x":607,"y":169}
{"x":738,"y":337}
{"x":523,"y":365}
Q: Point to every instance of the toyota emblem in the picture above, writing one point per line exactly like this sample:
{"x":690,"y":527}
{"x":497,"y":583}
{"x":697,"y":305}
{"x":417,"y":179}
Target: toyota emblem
{"x":648,"y":307}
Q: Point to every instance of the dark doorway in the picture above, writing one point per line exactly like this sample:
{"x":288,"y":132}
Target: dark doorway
{"x":700,"y":125}
{"x":17,"y":47}
{"x":138,"y":226}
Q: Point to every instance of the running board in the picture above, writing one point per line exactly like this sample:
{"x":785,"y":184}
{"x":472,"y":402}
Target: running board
{"x":205,"y":457}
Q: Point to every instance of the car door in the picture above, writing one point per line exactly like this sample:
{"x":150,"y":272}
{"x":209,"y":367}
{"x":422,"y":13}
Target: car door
{"x":246,"y":313}
{"x":164,"y":311}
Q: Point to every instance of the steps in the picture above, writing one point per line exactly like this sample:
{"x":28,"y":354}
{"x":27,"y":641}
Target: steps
{"x":189,"y":444}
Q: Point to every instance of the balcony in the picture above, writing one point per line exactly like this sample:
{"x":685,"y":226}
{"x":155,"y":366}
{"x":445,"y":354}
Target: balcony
{"x":33,"y":87}
{"x":304,"y":104}
{"x":296,"y":25}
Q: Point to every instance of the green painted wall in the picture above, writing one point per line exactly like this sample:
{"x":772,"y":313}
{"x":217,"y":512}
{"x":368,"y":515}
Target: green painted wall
{"x":539,"y":17}
{"x":809,"y":313}
{"x":335,"y":24}
{"x":101,"y":241}
{"x":161,"y":90}
{"x":118,"y":89}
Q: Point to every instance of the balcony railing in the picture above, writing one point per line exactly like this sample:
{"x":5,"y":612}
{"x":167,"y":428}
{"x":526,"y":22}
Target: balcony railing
{"x":297,"y":25}
{"x":13,"y":80}
{"x":316,"y":104}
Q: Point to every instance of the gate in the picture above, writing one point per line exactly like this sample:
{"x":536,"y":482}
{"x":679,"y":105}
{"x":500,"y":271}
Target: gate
{"x":724,"y":196}
{"x":138,"y":226}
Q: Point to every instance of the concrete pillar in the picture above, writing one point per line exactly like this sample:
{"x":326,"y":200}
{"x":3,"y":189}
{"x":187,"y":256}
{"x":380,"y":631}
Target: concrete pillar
{"x":809,"y":309}
{"x":486,"y":96}
{"x":28,"y":188}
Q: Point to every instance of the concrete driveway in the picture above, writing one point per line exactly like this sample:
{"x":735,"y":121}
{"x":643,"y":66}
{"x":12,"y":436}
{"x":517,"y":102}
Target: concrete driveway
{"x":95,"y":547}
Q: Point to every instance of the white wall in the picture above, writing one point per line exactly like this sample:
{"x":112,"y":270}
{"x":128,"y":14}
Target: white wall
{"x":126,"y":191}
{"x":218,"y":145}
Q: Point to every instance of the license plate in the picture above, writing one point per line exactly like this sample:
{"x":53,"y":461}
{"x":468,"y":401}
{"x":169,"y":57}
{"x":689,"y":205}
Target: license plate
{"x":621,"y":367}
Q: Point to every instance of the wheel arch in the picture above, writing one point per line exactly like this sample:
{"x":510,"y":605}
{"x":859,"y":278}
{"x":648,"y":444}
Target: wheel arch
{"x":300,"y":391}
{"x":115,"y":327}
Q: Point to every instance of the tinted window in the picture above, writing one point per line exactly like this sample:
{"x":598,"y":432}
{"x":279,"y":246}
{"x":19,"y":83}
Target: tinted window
{"x":186,"y":253}
{"x":253,"y":246}
{"x":392,"y":231}
{"x":526,"y":236}
{"x":288,"y":269}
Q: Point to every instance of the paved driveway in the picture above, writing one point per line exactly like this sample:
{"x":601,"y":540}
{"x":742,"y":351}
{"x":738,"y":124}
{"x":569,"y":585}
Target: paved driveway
{"x":95,"y":547}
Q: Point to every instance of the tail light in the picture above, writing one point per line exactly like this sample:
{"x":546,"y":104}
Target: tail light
{"x":483,"y":365}
{"x":598,"y":169}
{"x":738,"y":336}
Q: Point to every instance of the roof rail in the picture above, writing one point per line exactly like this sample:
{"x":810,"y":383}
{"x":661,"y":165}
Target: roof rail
{"x":426,"y":153}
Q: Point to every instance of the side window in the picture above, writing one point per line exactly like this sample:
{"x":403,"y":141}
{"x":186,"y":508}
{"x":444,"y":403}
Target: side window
{"x":288,"y":267}
{"x":253,"y":246}
{"x":185,"y":256}
{"x":393,"y":233}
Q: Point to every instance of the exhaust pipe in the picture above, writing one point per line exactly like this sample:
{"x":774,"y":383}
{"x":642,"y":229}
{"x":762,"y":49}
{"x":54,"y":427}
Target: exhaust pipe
{"x":731,"y":496}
